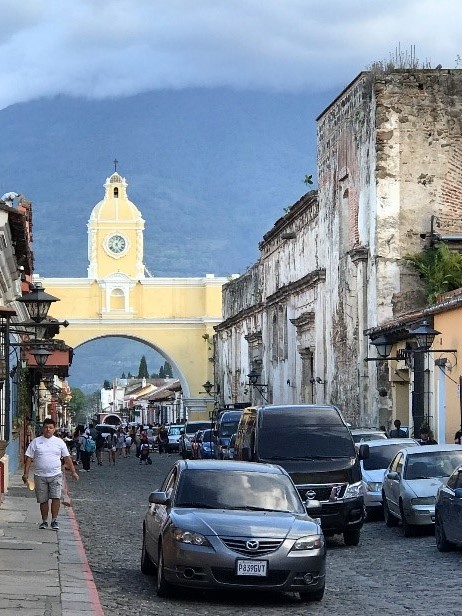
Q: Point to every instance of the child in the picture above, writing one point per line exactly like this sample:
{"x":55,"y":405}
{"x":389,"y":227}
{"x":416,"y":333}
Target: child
{"x":144,"y":451}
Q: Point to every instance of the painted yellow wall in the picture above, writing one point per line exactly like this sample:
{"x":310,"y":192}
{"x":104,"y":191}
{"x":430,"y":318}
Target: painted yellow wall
{"x":449,"y":323}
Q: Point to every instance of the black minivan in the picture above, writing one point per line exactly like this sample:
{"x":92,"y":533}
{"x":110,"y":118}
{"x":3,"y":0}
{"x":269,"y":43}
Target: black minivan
{"x":315,"y":446}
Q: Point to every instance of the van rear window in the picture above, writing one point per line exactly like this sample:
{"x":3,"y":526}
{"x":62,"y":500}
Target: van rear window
{"x":308,"y":416}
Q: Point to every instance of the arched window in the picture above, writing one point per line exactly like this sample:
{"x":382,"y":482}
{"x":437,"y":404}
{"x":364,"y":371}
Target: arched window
{"x":116,"y":192}
{"x":117,"y":299}
{"x":275,"y":337}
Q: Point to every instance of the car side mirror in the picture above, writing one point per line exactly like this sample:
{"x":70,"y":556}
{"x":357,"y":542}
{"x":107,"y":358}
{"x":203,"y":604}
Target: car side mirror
{"x":363,"y":452}
{"x":313,"y":508}
{"x":159,"y":498}
{"x":458,"y":493}
{"x":393,"y":475}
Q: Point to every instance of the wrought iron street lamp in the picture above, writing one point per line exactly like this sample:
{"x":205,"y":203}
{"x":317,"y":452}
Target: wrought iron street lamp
{"x":253,"y":377}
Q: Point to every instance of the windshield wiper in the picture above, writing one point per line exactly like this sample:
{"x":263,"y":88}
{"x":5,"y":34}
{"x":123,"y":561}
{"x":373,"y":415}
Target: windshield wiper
{"x":197,"y":505}
{"x":250,"y":508}
{"x":306,"y":457}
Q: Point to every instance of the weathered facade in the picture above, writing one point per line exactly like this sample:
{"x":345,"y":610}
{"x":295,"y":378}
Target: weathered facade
{"x":389,"y":158}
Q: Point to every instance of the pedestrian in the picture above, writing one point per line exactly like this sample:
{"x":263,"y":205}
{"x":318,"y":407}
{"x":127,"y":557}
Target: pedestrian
{"x":128,"y":444}
{"x":46,"y":452}
{"x":111,"y":447}
{"x":426,"y":436}
{"x":458,"y":437}
{"x":100,"y":442}
{"x":28,"y":433}
{"x":398,"y":432}
{"x":120,"y":442}
{"x":162,"y":439}
{"x":84,"y":454}
{"x":145,"y":449}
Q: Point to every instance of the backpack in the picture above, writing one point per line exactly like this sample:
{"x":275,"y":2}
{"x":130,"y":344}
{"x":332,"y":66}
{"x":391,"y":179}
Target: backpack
{"x":90,"y":445}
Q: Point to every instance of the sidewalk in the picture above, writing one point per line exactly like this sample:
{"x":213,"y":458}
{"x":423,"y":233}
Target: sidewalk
{"x":42,"y":572}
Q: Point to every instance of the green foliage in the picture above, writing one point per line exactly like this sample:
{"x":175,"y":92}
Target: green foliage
{"x":165,"y":372}
{"x":143,"y":369}
{"x":77,"y":405}
{"x":123,"y":376}
{"x":440,"y":268}
{"x":308,"y":180}
{"x":107,"y":385}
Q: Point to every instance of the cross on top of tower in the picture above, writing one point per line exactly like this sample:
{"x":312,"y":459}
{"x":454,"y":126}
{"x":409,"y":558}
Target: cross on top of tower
{"x":116,"y":162}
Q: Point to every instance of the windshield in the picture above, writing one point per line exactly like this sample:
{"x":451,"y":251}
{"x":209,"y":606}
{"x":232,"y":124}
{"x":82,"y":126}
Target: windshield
{"x":228,"y":428}
{"x":432,"y":464}
{"x":380,"y":457}
{"x":225,"y":489}
{"x":192,"y":428}
{"x":175,"y":430}
{"x":283,"y":441}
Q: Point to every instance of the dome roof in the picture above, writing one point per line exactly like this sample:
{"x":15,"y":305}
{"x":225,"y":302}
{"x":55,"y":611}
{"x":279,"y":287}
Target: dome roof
{"x":115,"y":207}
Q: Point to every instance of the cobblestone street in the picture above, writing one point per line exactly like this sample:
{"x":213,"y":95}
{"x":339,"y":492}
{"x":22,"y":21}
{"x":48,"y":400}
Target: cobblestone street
{"x":386,"y":573}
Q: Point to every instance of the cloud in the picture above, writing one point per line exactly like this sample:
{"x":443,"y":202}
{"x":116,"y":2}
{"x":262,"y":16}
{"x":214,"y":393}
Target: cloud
{"x":112,"y":48}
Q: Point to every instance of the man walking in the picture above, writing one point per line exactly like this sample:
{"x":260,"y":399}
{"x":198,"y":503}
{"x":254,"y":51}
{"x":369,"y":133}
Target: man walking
{"x":46,"y":452}
{"x":398,"y":432}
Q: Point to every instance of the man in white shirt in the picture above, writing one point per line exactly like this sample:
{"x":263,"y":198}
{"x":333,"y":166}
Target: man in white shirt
{"x":46,"y":451}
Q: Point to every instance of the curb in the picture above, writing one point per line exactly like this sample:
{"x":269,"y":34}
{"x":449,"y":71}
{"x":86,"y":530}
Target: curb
{"x":88,"y":575}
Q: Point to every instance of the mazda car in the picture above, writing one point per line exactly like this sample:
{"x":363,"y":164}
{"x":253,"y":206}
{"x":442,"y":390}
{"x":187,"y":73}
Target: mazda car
{"x":216,"y":524}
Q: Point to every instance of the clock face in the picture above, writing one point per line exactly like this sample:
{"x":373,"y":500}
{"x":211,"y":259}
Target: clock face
{"x":116,"y":244}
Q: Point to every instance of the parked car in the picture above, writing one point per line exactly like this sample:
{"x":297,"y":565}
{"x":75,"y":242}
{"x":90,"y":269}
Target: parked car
{"x":174,"y":434}
{"x":448,"y":513}
{"x":314,"y":445}
{"x":190,"y":429}
{"x":229,"y":454}
{"x":226,"y":426}
{"x":207,"y":444}
{"x":232,"y":525}
{"x":381,"y":452}
{"x":361,"y":435}
{"x":411,"y":483}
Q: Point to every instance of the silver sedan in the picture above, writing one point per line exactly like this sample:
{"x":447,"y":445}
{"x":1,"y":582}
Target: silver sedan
{"x":232,"y":525}
{"x":411,"y":483}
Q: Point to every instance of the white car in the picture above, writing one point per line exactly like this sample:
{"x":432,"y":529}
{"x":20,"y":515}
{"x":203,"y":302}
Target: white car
{"x":174,"y":434}
{"x":411,"y":483}
{"x":381,"y":452}
{"x":362,"y":435}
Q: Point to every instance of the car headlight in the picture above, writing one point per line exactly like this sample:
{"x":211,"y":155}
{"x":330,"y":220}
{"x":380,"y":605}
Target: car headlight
{"x":424,"y":500}
{"x":374,"y":486}
{"x":310,"y":542}
{"x":186,"y":536}
{"x":354,"y":490}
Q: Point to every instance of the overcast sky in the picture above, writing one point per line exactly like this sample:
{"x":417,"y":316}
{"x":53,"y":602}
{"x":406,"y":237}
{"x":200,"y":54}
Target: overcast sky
{"x":107,"y":48}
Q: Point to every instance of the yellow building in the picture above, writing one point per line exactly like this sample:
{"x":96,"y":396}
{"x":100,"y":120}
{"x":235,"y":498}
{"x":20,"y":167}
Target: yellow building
{"x":174,"y":316}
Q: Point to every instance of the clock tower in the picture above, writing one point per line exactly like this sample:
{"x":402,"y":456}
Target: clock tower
{"x":115,"y":235}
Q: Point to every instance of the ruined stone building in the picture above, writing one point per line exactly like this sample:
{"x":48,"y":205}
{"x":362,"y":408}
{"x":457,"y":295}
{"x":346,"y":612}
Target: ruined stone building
{"x":389,"y":159}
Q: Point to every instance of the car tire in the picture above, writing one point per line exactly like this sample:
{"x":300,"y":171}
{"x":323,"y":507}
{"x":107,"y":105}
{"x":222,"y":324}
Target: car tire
{"x":408,"y":529}
{"x":390,"y":519}
{"x":312,"y":595}
{"x":147,"y":566}
{"x":442,"y":544}
{"x":352,"y":536}
{"x":164,"y":588}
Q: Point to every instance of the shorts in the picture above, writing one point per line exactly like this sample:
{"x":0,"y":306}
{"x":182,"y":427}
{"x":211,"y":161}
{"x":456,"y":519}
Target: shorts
{"x":48,"y":487}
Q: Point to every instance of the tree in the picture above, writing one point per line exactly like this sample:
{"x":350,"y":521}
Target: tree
{"x":143,"y":369}
{"x":123,"y":376}
{"x":161,"y":373}
{"x":168,"y":372}
{"x":77,"y":405}
{"x":107,"y":385}
{"x":440,"y":269}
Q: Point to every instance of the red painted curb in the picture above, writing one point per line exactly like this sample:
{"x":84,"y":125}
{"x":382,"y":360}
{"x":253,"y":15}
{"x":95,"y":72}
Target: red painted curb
{"x":91,"y":586}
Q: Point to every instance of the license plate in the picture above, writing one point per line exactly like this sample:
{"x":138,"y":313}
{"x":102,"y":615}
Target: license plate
{"x":252,"y":567}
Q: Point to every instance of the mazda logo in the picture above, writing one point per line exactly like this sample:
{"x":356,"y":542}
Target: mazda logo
{"x":310,"y":494}
{"x":252,"y":545}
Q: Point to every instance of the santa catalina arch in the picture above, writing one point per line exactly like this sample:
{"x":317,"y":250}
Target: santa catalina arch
{"x":119,"y":297}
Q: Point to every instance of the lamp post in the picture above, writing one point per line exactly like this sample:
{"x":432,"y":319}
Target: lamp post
{"x":253,"y":377}
{"x":420,"y":339}
{"x":37,"y":303}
